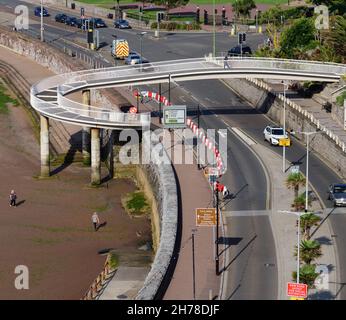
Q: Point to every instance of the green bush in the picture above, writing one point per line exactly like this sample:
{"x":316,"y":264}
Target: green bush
{"x":340,"y":99}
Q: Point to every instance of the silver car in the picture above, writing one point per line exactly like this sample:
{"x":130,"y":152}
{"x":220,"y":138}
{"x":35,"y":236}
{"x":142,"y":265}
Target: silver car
{"x":337,"y":194}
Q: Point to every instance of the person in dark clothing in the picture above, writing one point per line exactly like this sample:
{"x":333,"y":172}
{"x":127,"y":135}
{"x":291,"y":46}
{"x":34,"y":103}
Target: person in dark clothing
{"x":13,"y":198}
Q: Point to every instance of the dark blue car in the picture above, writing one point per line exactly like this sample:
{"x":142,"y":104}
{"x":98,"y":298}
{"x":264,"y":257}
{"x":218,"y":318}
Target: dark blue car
{"x":71,"y":21}
{"x":122,"y":24}
{"x":38,"y":12}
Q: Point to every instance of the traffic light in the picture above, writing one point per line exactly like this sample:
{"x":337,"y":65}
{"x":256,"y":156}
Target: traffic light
{"x":140,"y":9}
{"x":241,"y":37}
{"x":205,"y":16}
{"x":90,"y":36}
{"x":159,"y":16}
{"x":223,"y":13}
{"x":197,"y":15}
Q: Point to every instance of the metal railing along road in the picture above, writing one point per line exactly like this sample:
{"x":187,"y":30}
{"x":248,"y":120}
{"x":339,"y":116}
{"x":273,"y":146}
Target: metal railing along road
{"x":65,"y":109}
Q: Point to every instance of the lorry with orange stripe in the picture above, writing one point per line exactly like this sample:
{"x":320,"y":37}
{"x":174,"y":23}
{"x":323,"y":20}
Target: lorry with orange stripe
{"x":120,"y":49}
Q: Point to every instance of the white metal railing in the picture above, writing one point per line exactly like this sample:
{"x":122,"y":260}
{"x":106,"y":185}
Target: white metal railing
{"x":305,"y":113}
{"x":161,"y":71}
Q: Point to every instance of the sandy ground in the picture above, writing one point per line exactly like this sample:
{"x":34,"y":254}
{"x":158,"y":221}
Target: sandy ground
{"x":50,"y":231}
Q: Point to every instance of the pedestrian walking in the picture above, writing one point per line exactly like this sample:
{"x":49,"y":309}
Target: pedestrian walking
{"x":95,"y":220}
{"x":13,"y":198}
{"x":225,"y":63}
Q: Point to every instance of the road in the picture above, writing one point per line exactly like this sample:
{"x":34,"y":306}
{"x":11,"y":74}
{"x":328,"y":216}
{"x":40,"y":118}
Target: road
{"x":250,"y":278}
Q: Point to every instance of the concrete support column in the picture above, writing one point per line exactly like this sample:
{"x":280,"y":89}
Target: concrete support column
{"x":86,"y":131}
{"x":44,"y":137}
{"x":111,"y":156}
{"x":95,"y":156}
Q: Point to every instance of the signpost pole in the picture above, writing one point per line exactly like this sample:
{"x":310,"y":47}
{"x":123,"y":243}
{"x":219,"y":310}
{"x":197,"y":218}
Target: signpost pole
{"x":160,"y":104}
{"x":217,"y":233}
{"x":193,"y":266}
{"x":198,"y":111}
{"x":169,"y":88}
{"x":298,"y":249}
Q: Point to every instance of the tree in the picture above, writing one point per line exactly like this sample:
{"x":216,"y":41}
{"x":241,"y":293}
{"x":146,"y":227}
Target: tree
{"x":335,"y":37}
{"x":299,"y":35}
{"x":170,"y":4}
{"x":310,"y":250}
{"x":299,"y":202}
{"x":307,"y":275}
{"x":293,"y":181}
{"x":243,"y":7}
{"x":307,"y":221}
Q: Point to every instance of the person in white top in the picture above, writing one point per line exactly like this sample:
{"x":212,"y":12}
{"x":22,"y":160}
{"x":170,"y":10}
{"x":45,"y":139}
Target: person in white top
{"x":95,"y":220}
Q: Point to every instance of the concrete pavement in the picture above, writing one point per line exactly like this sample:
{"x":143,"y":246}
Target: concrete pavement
{"x":285,"y":229}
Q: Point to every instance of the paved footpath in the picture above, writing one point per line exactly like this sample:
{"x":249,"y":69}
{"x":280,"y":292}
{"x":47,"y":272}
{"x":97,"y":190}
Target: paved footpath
{"x":195,"y":193}
{"x":285,"y":229}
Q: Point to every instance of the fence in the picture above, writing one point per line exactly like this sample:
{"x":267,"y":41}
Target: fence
{"x":99,"y":283}
{"x":306,"y":114}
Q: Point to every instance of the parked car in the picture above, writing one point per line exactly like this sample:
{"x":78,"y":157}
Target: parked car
{"x":122,"y":24}
{"x":80,"y":23}
{"x":71,"y":21}
{"x":98,"y":23}
{"x":37,"y":12}
{"x":235,"y":51}
{"x":337,"y":194}
{"x":61,"y":17}
{"x":274,"y":134}
{"x":133,"y":59}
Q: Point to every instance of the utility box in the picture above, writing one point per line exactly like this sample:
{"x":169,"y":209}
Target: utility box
{"x":73,"y":6}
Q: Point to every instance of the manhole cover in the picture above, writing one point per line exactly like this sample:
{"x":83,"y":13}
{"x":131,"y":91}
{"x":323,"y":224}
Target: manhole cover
{"x":122,"y":296}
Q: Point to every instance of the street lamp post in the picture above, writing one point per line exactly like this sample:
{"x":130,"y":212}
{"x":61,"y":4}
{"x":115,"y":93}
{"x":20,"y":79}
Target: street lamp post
{"x":42,"y":28}
{"x":308,"y":134}
{"x":214,"y":36}
{"x":141,"y":34}
{"x":284,"y":127}
{"x":299,"y":214}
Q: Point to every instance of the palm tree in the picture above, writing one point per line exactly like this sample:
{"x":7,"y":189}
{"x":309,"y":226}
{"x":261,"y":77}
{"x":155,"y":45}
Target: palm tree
{"x":307,"y":275}
{"x":310,"y":250}
{"x":294,"y":180}
{"x":299,"y":202}
{"x":307,"y":221}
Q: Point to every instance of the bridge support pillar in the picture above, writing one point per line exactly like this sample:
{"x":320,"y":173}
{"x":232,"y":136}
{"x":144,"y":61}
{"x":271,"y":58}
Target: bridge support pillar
{"x":86,"y":132}
{"x":44,"y":137}
{"x":95,"y":156}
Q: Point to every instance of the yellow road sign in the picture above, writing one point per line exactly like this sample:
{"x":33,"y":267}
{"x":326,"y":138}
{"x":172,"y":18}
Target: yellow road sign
{"x":285,"y":142}
{"x":205,"y":217}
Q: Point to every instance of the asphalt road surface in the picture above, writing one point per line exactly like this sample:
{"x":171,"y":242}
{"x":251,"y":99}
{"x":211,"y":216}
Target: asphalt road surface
{"x":251,"y":238}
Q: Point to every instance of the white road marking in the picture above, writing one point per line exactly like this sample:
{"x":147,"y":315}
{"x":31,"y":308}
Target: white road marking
{"x":249,"y":141}
{"x":246,"y":213}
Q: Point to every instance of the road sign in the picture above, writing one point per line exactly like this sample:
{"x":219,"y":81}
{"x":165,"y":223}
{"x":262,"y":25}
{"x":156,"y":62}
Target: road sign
{"x":297,"y":290}
{"x":133,"y":110}
{"x":295,"y":169}
{"x":205,"y":217}
{"x":174,"y":117}
{"x":285,"y":142}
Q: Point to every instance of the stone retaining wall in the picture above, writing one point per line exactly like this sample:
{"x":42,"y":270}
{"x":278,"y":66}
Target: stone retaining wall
{"x":327,"y":145}
{"x":162,"y":180}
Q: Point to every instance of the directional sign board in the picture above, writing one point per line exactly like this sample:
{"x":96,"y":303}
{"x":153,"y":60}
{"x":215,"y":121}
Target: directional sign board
{"x":174,"y":117}
{"x":295,"y":169}
{"x":298,"y":290}
{"x":205,"y":217}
